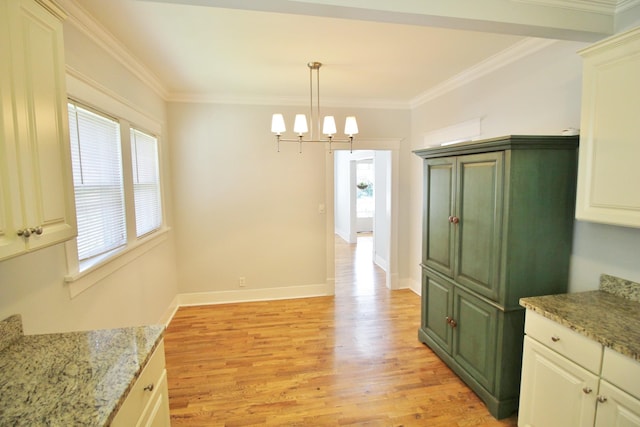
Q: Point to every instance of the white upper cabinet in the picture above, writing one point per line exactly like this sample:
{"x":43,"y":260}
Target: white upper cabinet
{"x":609,"y":172}
{"x":36,"y":190}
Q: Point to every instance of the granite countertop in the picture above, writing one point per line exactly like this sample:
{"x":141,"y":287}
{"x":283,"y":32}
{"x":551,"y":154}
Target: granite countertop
{"x":70,"y":379}
{"x":610,"y":318}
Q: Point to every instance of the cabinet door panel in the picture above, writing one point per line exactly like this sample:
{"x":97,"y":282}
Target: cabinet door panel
{"x":437,"y":306}
{"x":44,"y":140}
{"x":157,"y":412}
{"x":10,"y":243}
{"x":609,"y":148}
{"x":475,"y":337}
{"x":479,"y":207}
{"x":619,"y":410}
{"x":552,"y":390}
{"x":438,"y":242}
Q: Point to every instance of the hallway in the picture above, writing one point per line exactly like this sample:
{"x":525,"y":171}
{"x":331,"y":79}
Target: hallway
{"x":356,"y":274}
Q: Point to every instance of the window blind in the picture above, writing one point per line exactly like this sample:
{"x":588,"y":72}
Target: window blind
{"x":97,"y":179}
{"x":146,"y":182}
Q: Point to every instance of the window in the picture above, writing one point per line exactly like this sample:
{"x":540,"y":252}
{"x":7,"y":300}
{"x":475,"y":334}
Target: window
{"x":118,"y":196}
{"x":146,"y":182}
{"x":364,"y":197}
{"x":97,"y":181}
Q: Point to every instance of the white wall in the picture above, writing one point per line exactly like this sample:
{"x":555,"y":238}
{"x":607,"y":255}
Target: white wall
{"x":342,"y":192}
{"x":244,"y":210}
{"x":382,"y":222}
{"x":539,"y":94}
{"x":142,"y":291}
{"x":628,"y":19}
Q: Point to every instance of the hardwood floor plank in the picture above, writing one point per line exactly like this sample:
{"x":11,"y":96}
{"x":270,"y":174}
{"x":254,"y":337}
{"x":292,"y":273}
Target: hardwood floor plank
{"x":349,"y":360}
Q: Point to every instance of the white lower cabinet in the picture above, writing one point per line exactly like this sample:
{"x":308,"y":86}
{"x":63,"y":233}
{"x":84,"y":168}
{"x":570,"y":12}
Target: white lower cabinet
{"x":147,"y":403}
{"x":555,"y":392}
{"x":616,"y":408}
{"x":568,"y":381}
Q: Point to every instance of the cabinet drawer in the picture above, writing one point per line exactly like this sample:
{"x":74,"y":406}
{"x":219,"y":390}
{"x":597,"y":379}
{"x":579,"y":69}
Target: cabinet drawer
{"x":138,"y":397}
{"x":576,"y":347}
{"x":622,"y":371}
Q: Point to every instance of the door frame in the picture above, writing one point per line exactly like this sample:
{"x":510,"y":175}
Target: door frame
{"x":387,"y":144}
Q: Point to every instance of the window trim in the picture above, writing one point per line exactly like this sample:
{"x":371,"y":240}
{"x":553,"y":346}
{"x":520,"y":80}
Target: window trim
{"x":81,"y":276}
{"x":157,"y":184}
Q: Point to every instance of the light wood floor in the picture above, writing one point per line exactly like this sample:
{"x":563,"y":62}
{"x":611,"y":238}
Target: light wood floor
{"x":352,"y":359}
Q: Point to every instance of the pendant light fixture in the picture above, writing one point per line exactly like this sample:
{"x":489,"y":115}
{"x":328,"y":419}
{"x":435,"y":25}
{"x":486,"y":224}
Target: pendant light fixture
{"x":300,"y":125}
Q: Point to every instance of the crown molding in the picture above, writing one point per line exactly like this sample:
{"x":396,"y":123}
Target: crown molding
{"x":501,"y":59}
{"x":603,"y":7}
{"x":626,"y":4}
{"x":286,"y":101}
{"x":89,"y":26}
{"x":53,"y":8}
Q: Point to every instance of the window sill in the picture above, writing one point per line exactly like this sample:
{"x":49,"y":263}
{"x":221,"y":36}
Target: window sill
{"x":83,"y":280}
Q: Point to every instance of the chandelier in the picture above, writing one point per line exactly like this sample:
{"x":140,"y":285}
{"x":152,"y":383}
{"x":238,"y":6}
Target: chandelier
{"x":300,"y":126}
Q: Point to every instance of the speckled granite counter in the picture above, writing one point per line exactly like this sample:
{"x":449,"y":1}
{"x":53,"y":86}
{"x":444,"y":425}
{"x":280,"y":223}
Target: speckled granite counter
{"x":71,"y":379}
{"x":607,"y":316}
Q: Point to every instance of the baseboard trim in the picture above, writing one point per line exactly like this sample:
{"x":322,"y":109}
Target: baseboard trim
{"x":168,"y":314}
{"x":249,"y":295}
{"x":381,"y":262}
{"x":414,"y":285}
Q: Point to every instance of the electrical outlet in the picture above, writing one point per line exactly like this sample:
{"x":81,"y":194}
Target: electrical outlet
{"x":242,"y":282}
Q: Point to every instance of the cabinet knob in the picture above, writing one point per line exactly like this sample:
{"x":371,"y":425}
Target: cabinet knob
{"x":555,"y":338}
{"x":26,"y":232}
{"x":453,"y":323}
{"x":454,"y":219}
{"x":148,"y":387}
{"x":587,"y":390}
{"x":601,"y":399}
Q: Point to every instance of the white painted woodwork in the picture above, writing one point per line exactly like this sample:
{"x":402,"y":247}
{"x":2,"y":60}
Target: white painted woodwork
{"x":618,"y":410}
{"x":37,"y":189}
{"x":578,"y":348}
{"x":551,"y":393}
{"x":556,"y":390}
{"x":147,"y":403}
{"x":608,"y":175}
{"x":622,"y":371}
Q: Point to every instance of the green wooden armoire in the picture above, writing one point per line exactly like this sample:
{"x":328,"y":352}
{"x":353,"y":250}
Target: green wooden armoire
{"x":497,"y":226}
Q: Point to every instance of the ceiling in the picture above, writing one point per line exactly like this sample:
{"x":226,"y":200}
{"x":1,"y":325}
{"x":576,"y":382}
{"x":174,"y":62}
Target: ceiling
{"x":256,"y":51}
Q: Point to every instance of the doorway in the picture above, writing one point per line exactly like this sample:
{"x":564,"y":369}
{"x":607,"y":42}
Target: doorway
{"x":363,"y":203}
{"x":364,"y":193}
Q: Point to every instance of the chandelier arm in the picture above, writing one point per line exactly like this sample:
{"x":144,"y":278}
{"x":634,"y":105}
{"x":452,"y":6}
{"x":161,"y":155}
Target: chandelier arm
{"x":318,"y":115}
{"x":332,"y":139}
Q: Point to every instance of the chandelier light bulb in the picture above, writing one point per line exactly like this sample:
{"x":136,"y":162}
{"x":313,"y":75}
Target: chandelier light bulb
{"x":351,"y":126}
{"x":300,"y":124}
{"x":277,"y":124}
{"x":329,"y":126}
